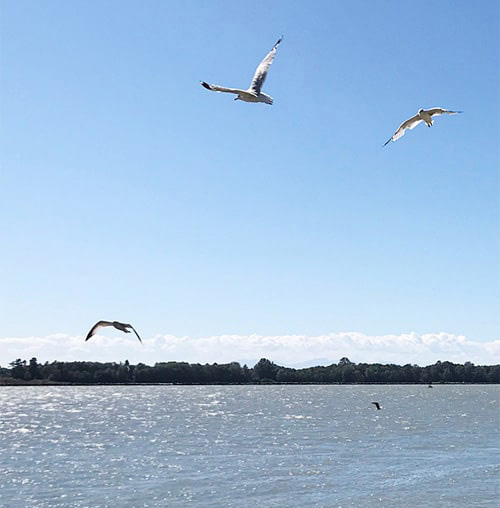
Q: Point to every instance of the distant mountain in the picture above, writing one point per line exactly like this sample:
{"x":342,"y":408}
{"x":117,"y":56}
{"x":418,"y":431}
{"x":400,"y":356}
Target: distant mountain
{"x":315,"y":362}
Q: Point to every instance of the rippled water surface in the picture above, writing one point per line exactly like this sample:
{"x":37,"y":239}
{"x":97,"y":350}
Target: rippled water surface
{"x":249,"y":446}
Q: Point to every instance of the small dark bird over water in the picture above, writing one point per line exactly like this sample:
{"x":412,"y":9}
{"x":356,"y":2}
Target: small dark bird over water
{"x":377,"y":405}
{"x":123,"y":327}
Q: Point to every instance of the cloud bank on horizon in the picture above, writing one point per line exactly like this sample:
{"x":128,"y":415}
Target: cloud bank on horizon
{"x":287,"y":350}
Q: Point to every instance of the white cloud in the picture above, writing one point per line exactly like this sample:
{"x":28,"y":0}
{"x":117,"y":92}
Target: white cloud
{"x":290,"y":350}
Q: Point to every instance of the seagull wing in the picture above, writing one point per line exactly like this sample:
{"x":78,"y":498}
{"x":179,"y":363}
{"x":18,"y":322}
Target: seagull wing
{"x":261,"y":72}
{"x":135,"y":333}
{"x":96,"y":327}
{"x":411,"y":123}
{"x":441,"y":111}
{"x":218,"y":88}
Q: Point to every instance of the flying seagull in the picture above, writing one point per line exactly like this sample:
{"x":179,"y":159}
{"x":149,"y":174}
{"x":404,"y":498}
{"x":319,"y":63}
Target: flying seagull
{"x":423,"y":115}
{"x":377,"y":405}
{"x":119,"y":326}
{"x":253,"y":94}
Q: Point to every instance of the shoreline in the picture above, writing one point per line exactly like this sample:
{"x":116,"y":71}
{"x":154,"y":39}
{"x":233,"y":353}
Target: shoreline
{"x":18,"y":382}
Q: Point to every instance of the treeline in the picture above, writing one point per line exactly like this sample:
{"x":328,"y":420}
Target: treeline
{"x":263,"y":371}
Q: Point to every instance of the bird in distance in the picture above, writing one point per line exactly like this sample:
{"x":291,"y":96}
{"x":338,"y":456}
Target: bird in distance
{"x":377,"y":405}
{"x":253,"y":94}
{"x":423,"y":115}
{"x":123,"y":327}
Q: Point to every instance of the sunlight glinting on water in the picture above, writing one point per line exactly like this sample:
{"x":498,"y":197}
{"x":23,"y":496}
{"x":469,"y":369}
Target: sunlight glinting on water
{"x":268,"y":445}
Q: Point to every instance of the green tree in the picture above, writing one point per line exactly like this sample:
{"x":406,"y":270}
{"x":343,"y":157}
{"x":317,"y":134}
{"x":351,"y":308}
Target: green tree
{"x":344,"y":361}
{"x":33,"y":369}
{"x":265,"y":369}
{"x":18,"y":369}
{"x":348,"y":374}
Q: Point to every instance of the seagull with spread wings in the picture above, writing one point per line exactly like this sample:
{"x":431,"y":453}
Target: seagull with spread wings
{"x":253,"y":94}
{"x":123,"y":327}
{"x":423,"y":115}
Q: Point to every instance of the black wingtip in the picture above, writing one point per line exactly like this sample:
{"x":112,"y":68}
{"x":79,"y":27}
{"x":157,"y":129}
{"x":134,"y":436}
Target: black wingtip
{"x":206,"y":85}
{"x":136,"y":334}
{"x":387,"y":142}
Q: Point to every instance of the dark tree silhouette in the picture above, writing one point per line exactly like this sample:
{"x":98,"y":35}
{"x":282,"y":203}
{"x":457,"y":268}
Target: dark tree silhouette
{"x":264,"y":371}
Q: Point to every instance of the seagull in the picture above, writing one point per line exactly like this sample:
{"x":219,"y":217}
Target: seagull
{"x":253,"y":94}
{"x":423,"y":115}
{"x":377,"y":405}
{"x":119,"y":326}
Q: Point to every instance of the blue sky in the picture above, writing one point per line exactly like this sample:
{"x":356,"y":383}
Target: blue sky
{"x":129,"y":192}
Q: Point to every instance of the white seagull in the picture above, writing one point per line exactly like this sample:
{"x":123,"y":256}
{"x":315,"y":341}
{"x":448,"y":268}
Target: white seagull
{"x":423,"y":115}
{"x":253,"y":94}
{"x":119,"y":326}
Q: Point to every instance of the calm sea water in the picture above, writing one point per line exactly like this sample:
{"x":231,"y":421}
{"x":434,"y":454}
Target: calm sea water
{"x":249,"y":446}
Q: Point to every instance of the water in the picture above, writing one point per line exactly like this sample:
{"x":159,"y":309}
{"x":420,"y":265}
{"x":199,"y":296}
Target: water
{"x":249,"y":446}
